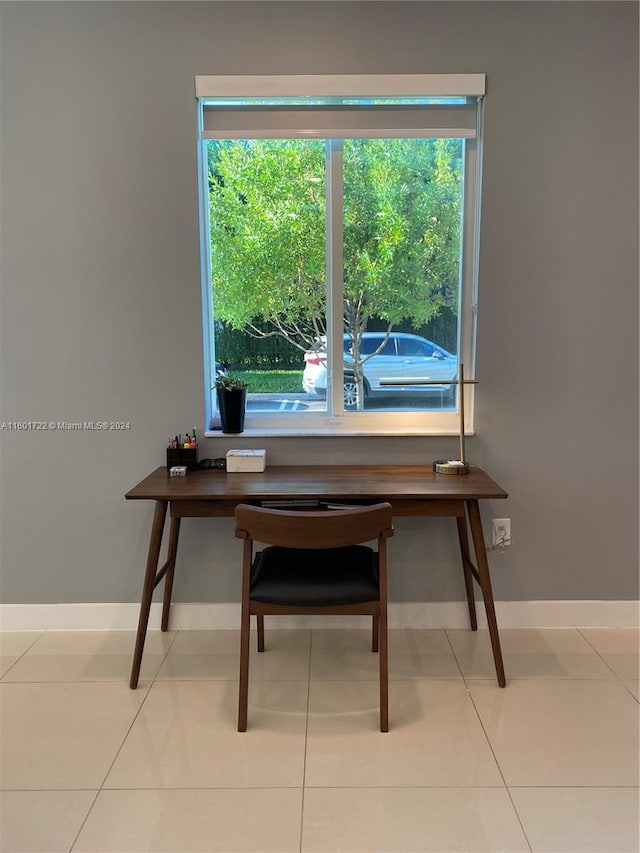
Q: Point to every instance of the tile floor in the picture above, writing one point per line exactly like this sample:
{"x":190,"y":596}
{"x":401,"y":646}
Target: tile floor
{"x":548,"y":764}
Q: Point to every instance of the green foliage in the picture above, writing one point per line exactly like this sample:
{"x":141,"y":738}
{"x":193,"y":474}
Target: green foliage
{"x":267,"y":235}
{"x":401,"y":233}
{"x":273,"y":381}
{"x":238,"y":351}
{"x":227,"y":382}
{"x":402,"y":214}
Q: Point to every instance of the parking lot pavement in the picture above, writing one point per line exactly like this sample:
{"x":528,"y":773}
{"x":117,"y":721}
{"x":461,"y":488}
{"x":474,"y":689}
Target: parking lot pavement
{"x":301,"y":402}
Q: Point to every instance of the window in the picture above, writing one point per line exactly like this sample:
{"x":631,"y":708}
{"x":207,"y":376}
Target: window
{"x":339,"y":231}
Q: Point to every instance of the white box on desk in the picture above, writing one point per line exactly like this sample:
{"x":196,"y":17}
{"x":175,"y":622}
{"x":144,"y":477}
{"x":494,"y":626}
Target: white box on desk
{"x":243,"y":461}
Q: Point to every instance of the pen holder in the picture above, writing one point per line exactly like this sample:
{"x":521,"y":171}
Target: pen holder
{"x":182,"y":456}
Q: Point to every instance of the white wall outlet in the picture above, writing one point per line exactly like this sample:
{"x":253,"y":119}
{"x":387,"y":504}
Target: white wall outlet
{"x":501,"y":533}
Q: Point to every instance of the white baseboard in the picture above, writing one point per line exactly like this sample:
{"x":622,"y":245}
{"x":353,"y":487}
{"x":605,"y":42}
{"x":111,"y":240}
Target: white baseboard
{"x":444,"y":614}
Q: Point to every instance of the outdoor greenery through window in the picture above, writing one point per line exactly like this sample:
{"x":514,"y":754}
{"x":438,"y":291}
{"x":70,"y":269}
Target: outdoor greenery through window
{"x":339,"y":244}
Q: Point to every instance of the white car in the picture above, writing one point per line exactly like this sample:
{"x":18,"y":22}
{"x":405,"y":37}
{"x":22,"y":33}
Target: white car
{"x":402,"y":357}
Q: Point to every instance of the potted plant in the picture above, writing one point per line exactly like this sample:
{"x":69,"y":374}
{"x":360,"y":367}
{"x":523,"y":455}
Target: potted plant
{"x":232,"y":397}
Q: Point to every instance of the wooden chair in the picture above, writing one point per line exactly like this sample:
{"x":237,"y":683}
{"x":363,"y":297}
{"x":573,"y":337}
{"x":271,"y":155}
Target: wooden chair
{"x":316,"y":562}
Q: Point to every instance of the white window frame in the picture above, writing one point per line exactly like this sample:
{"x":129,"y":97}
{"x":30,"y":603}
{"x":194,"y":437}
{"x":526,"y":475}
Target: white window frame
{"x":357,"y":86}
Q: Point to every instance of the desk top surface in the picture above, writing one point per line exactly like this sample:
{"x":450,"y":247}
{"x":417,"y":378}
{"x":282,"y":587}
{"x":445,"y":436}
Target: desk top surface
{"x":417,"y":482}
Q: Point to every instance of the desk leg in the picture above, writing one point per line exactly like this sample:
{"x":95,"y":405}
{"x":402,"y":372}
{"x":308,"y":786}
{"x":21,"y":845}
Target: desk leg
{"x":484,"y":579}
{"x":468,"y":576}
{"x":147,"y":588}
{"x":174,"y":533}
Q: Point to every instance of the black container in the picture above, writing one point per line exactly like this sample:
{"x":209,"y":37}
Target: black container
{"x":232,"y":403}
{"x":183,"y":456}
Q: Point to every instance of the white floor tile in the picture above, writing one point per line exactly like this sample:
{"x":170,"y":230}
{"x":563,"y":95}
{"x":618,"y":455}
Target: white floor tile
{"x":619,"y":647}
{"x":346,"y":654}
{"x":178,"y":776}
{"x":295,"y":641}
{"x":434,"y":738}
{"x":75,"y":667}
{"x":6,"y":662}
{"x":42,"y":821}
{"x":202,"y":820}
{"x":365,"y":666}
{"x":625,"y":666}
{"x":100,"y":643}
{"x":580,"y":820}
{"x":521,"y":640}
{"x":419,"y":641}
{"x":564,"y":733}
{"x":357,"y":820}
{"x":62,"y":736}
{"x":529,"y":653}
{"x":401,"y":641}
{"x":634,"y":688}
{"x":536,"y":665}
{"x":16,"y":643}
{"x":269,"y":666}
{"x":343,"y":640}
{"x":616,"y":640}
{"x":185,"y":737}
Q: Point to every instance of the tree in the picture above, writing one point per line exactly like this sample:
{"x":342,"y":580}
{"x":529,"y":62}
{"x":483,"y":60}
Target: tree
{"x":401,"y":234}
{"x":402,"y":214}
{"x":267,"y":210}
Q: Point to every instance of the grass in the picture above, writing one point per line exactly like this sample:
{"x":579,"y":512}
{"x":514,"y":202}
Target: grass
{"x":271,"y":381}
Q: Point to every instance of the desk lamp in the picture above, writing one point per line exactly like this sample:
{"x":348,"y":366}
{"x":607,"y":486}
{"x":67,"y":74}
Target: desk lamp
{"x":446,"y":466}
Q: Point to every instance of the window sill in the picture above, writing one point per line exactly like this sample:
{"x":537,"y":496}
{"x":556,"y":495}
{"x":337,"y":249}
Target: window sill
{"x":339,"y":432}
{"x":394,"y":424}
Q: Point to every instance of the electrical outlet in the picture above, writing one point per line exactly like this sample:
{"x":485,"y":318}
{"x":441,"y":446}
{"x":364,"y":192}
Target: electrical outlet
{"x":501,"y":533}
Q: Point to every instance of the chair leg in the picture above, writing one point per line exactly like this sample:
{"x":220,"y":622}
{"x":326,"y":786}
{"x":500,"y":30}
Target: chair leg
{"x":243,"y":694}
{"x":260,"y":624}
{"x":384,"y":670}
{"x":375,"y":630}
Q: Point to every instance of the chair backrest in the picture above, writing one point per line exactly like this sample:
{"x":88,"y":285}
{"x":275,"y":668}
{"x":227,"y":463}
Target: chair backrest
{"x":333,"y":528}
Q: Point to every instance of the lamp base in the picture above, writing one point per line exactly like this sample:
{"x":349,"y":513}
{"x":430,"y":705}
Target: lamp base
{"x":450,"y":466}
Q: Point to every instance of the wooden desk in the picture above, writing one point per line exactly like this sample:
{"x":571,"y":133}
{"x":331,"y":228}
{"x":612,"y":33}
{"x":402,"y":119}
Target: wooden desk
{"x":412,"y":490}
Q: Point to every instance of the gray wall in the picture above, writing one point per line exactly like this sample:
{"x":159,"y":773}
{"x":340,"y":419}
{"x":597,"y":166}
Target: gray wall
{"x":101,"y":288}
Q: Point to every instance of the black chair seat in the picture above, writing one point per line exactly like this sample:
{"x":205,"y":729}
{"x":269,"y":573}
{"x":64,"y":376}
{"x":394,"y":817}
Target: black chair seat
{"x":315,"y":578}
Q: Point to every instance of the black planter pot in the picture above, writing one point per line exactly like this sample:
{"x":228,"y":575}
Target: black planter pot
{"x":231,"y":403}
